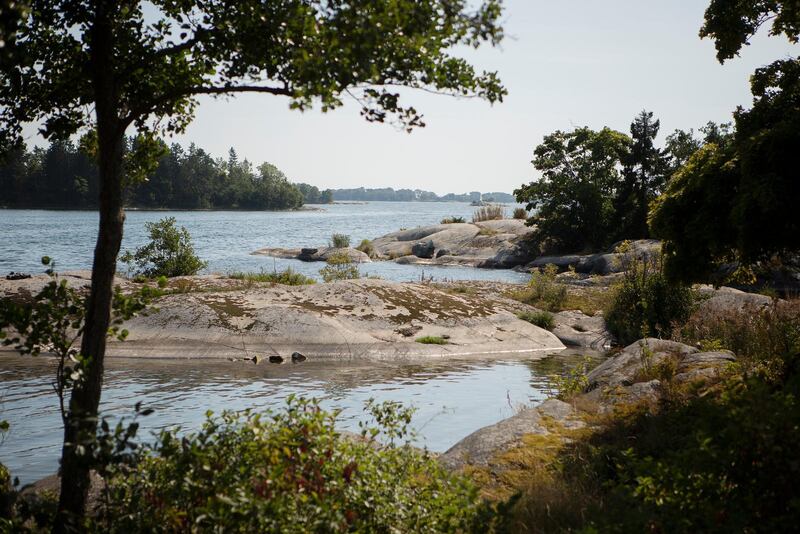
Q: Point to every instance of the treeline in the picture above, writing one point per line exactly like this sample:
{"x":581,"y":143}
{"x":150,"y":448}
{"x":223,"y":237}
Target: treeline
{"x":64,"y":176}
{"x":596,"y":187}
{"x":388,"y":194}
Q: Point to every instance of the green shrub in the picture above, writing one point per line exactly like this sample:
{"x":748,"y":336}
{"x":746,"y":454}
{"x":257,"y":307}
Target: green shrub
{"x":288,"y":277}
{"x":520,"y":213}
{"x":645,"y":304}
{"x":366,"y":247}
{"x":169,"y":253}
{"x":453,"y":220}
{"x":431,"y":340}
{"x":542,"y":319}
{"x":492,"y":212}
{"x":291,"y":472}
{"x":573,"y":382}
{"x":339,"y":267}
{"x":340,"y":241}
{"x":544,"y":292}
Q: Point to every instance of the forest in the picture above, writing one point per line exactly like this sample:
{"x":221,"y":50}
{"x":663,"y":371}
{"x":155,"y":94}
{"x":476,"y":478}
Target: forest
{"x":64,"y":175}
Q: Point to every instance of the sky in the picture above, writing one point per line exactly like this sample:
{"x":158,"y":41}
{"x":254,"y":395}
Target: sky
{"x":565,"y":63}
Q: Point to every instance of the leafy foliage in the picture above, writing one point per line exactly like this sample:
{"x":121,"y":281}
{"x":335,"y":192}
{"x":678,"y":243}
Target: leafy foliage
{"x":645,"y":303}
{"x":340,"y":241}
{"x":453,"y":220}
{"x":293,"y":473}
{"x":573,"y":200}
{"x":544,"y":291}
{"x":735,"y":202}
{"x":169,"y":253}
{"x":339,"y":267}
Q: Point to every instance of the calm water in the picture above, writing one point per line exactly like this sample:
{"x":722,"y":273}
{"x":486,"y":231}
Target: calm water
{"x":452,"y":398}
{"x":226,"y":238}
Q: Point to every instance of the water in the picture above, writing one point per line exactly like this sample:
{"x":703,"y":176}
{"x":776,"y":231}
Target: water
{"x":226,"y":238}
{"x":452,"y":399}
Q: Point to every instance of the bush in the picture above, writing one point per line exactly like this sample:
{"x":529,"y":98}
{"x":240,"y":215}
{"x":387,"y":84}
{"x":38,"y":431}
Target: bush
{"x":453,"y":220}
{"x":573,"y":382}
{"x":520,"y":213}
{"x":366,"y":247}
{"x":288,"y":277}
{"x":339,"y":267}
{"x":340,"y":241}
{"x":431,"y":340}
{"x":761,"y":337}
{"x":291,"y":472}
{"x":492,"y":212}
{"x":542,"y":319}
{"x":169,"y":253}
{"x":645,"y":304}
{"x":544,"y":291}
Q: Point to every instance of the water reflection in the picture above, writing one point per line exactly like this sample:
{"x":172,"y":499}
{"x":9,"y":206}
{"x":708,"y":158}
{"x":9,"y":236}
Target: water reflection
{"x":452,"y":398}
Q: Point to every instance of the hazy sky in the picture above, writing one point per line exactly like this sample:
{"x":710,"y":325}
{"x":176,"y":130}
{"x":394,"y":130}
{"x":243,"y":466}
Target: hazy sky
{"x":565,"y":63}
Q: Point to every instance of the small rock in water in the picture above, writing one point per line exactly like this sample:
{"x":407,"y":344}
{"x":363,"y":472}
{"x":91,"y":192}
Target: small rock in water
{"x":297,"y":357}
{"x":275,"y":359}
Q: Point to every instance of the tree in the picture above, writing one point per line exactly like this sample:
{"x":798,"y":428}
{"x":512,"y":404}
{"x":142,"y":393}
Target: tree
{"x":644,"y":174}
{"x":169,"y":253}
{"x":735,"y":199}
{"x":103,"y":66}
{"x":680,"y":145}
{"x":572,"y":201}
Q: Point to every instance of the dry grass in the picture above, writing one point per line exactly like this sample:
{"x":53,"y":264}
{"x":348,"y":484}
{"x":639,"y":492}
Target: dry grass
{"x":492,"y":212}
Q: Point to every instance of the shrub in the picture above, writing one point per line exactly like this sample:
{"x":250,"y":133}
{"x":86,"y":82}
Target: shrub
{"x":573,"y":382}
{"x":169,"y":253}
{"x":520,"y":213}
{"x":542,"y":319}
{"x":492,"y":212}
{"x":339,"y":267}
{"x":544,"y":291}
{"x":453,"y":220}
{"x":288,"y":277}
{"x":367,"y":248}
{"x":761,"y":337}
{"x":431,"y":340}
{"x":291,"y":472}
{"x":340,"y":241}
{"x":645,"y":303}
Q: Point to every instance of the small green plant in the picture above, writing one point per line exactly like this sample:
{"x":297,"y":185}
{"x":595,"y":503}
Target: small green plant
{"x":340,"y":241}
{"x":645,"y":304}
{"x":573,"y":382}
{"x":520,"y":213}
{"x":339,"y":267}
{"x":492,"y":212}
{"x":290,"y":471}
{"x":431,"y":340}
{"x":287,"y":277}
{"x":544,"y":291}
{"x":169,"y":253}
{"x":453,"y":220}
{"x":542,"y":319}
{"x":367,"y":248}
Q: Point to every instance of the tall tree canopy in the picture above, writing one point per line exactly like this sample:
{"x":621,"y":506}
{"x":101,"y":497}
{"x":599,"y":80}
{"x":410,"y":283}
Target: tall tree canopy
{"x":110,"y":66}
{"x":644,"y":175}
{"x":572,"y":202}
{"x":735,"y":200}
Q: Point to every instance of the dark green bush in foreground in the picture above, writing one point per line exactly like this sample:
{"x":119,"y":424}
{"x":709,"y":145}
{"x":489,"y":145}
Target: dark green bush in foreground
{"x":287,"y":472}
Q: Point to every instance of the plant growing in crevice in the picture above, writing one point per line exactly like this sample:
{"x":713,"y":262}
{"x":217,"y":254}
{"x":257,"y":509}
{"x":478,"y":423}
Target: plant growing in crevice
{"x":339,"y":267}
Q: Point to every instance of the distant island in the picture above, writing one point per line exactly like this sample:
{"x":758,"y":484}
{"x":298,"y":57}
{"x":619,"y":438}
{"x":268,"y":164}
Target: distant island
{"x":387,"y":194}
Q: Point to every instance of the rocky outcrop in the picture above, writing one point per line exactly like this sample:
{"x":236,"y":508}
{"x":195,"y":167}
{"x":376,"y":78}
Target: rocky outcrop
{"x":481,"y":447}
{"x":313,"y":254}
{"x":487,"y":244}
{"x":603,"y":263}
{"x":576,"y":329}
{"x":635,"y":374}
{"x":370,"y":319}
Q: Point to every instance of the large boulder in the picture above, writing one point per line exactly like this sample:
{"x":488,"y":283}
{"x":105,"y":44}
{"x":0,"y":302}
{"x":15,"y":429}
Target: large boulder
{"x":423,"y":249}
{"x":576,"y":329}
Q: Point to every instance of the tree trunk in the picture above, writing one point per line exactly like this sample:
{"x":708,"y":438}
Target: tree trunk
{"x":81,"y":428}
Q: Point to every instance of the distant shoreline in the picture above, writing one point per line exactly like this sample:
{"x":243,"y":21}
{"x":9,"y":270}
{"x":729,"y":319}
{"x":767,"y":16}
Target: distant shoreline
{"x":312,"y":207}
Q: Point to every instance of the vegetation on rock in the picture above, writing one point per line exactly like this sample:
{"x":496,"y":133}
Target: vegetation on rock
{"x":288,"y":277}
{"x":169,"y":253}
{"x":339,"y":267}
{"x":492,"y":212}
